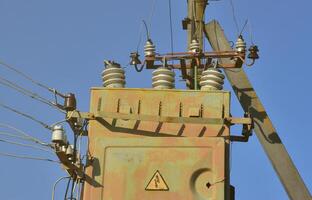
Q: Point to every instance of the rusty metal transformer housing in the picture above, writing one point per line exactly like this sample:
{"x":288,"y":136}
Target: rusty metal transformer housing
{"x":169,"y":144}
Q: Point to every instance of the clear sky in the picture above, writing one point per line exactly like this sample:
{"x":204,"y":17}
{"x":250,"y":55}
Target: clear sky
{"x":63,"y":44}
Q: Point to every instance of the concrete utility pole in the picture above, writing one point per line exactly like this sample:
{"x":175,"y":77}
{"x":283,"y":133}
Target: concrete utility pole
{"x":196,"y":11}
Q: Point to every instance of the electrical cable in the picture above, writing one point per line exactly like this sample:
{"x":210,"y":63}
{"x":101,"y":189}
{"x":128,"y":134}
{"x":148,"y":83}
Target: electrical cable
{"x":234,"y":16}
{"x":28,"y":93}
{"x":194,"y":29}
{"x":55,"y":184}
{"x":152,"y":10}
{"x":24,"y":134}
{"x":231,"y":147}
{"x":8,"y":134}
{"x":146,"y":29}
{"x":78,"y":191}
{"x":67,"y":187}
{"x":244,"y":26}
{"x":25,"y":145}
{"x":24,"y":75}
{"x":250,"y":33}
{"x":72,"y":189}
{"x":12,"y":68}
{"x":75,"y":186}
{"x":26,"y":115}
{"x":171,"y":31}
{"x":28,"y":157}
{"x":59,"y":122}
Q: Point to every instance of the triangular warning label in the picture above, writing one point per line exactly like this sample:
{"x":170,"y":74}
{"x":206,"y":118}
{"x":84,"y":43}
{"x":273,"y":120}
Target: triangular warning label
{"x":157,"y":183}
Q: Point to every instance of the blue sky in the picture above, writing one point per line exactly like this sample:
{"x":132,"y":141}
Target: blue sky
{"x":64,"y":43}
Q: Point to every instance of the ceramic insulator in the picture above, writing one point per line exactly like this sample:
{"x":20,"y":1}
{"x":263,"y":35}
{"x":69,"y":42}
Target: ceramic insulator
{"x":149,"y":48}
{"x":212,"y":79}
{"x":240,"y":45}
{"x":113,"y":76}
{"x":194,"y":46}
{"x":163,"y":78}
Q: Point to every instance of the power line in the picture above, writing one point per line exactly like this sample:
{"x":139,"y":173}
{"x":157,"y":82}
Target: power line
{"x":243,"y":28}
{"x":234,"y":16}
{"x":28,"y":93}
{"x":250,"y":32}
{"x":25,"y":76}
{"x":26,"y":115}
{"x":14,"y":69}
{"x":28,"y":157}
{"x":25,"y":145}
{"x":152,"y":10}
{"x":55,"y":184}
{"x":24,"y":134}
{"x":171,"y":31}
{"x":8,"y":134}
{"x":67,"y":187}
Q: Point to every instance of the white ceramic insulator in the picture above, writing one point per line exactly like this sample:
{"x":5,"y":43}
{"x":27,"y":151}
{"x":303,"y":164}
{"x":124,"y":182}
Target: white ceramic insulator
{"x":163,"y":78}
{"x":212,"y":79}
{"x":113,"y":77}
{"x":240,"y":45}
{"x":194,"y":46}
{"x":149,"y":48}
{"x":58,"y":135}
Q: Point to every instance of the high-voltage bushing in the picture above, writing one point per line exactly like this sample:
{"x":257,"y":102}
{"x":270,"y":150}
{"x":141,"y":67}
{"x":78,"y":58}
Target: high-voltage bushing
{"x":113,"y":76}
{"x":194,"y":46}
{"x":240,"y":45}
{"x":212,"y":79}
{"x":59,"y":135}
{"x":163,"y":78}
{"x":149,"y":48}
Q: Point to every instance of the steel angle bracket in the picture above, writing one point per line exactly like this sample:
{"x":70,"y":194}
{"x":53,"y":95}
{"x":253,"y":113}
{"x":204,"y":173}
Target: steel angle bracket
{"x":263,"y":127}
{"x":168,"y":119}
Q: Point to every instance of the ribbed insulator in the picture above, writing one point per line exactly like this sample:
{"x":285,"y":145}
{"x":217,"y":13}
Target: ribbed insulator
{"x":113,"y":76}
{"x":163,"y":78}
{"x":194,"y":46}
{"x":149,"y":48}
{"x":59,"y":135}
{"x":212,"y":79}
{"x":240,"y":45}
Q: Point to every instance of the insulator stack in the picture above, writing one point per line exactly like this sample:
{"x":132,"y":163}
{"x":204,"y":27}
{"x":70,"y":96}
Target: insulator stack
{"x":58,"y":135}
{"x":240,"y":45}
{"x":149,"y":48}
{"x":163,"y":78}
{"x":113,"y":76}
{"x":194,"y":46}
{"x":212,"y":79}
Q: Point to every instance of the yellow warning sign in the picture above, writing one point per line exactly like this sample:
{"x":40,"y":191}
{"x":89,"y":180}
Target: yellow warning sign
{"x":157,"y":183}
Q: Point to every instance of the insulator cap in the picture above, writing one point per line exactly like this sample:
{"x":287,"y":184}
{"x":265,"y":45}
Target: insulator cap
{"x":149,"y":48}
{"x":63,"y":149}
{"x":58,"y":135}
{"x":163,"y":78}
{"x":113,"y":76}
{"x":194,"y":46}
{"x":70,"y":150}
{"x":212,"y":79}
{"x":240,"y":45}
{"x":135,"y":58}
